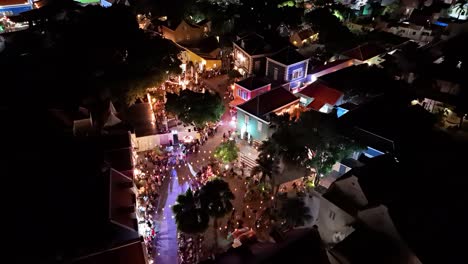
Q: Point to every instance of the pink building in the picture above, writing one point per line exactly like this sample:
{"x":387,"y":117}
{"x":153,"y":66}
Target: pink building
{"x":249,"y":88}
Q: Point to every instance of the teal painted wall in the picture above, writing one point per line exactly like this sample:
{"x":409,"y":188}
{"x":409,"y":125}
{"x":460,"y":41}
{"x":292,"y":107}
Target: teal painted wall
{"x":252,"y":127}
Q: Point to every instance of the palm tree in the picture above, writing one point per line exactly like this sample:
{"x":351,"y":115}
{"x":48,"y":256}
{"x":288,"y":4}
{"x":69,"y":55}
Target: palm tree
{"x":190,"y":217}
{"x":294,"y":212}
{"x":215,"y":198}
{"x":266,"y":163}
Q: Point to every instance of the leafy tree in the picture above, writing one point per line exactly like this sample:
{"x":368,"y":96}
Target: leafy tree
{"x":331,"y":31}
{"x":215,"y":198}
{"x":317,"y":143}
{"x":197,"y":108}
{"x":190,"y":217}
{"x":295,"y":212}
{"x":227,"y":151}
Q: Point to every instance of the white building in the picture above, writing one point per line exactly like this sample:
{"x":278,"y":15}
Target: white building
{"x":412,"y":31}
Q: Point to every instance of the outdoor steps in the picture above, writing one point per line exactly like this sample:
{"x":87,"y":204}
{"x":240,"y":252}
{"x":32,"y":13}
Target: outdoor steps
{"x":249,"y":162}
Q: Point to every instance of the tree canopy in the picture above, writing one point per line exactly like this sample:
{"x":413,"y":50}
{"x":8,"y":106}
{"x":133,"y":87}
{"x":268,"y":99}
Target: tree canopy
{"x":317,"y":143}
{"x":190,"y":217}
{"x":227,"y":151}
{"x":89,"y":52}
{"x":295,"y":212}
{"x":331,"y":31}
{"x":196,"y":108}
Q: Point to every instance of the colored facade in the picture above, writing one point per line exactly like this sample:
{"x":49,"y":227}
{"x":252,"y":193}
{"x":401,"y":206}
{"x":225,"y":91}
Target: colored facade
{"x":185,"y":31}
{"x":288,"y":66}
{"x":15,"y":7}
{"x":303,"y":37}
{"x":253,"y":116}
{"x":250,"y":54}
{"x":249,"y":88}
{"x":209,"y":61}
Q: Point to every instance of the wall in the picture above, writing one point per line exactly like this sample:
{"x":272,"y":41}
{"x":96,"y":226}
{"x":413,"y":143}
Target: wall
{"x":424,"y":35}
{"x":246,"y":64}
{"x":271,"y":65}
{"x":260,"y":71}
{"x":209,"y":64}
{"x":329,"y":218}
{"x":302,"y":65}
{"x":259,"y":91}
{"x":252,"y":127}
{"x":150,"y":142}
{"x":250,"y":94}
{"x":183,"y":30}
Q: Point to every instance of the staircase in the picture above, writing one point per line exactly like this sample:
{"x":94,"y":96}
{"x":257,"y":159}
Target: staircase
{"x":249,"y":163}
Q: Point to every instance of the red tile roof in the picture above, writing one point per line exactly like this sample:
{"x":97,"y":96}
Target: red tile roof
{"x":268,"y":102}
{"x":13,"y":2}
{"x":364,"y":52}
{"x":322,"y":95}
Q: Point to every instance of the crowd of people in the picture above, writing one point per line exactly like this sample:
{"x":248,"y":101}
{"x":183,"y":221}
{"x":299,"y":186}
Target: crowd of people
{"x":190,"y":248}
{"x":149,"y":176}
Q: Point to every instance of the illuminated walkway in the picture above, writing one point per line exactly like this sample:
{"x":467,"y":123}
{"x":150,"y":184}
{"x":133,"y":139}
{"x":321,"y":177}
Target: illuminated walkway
{"x":166,"y":241}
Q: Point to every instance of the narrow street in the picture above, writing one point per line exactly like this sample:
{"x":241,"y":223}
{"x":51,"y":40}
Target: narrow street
{"x":166,"y":245}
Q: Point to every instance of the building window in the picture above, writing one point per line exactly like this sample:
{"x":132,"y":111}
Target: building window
{"x":242,"y":94}
{"x":297,"y":73}
{"x":332,"y":215}
{"x":259,"y":126}
{"x":246,"y":119}
{"x":275,"y":74}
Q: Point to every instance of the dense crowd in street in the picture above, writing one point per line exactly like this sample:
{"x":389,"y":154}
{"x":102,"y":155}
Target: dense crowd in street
{"x":149,"y":175}
{"x":190,"y":248}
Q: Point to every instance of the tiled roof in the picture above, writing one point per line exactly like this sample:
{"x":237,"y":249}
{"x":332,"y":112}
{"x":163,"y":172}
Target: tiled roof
{"x":322,"y":95}
{"x":252,"y":83}
{"x":267,"y":102}
{"x":288,"y":56}
{"x":122,"y":200}
{"x":255,"y":44}
{"x":13,"y":2}
{"x":364,"y":52}
{"x":328,"y":65}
